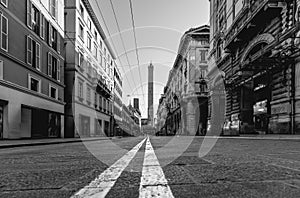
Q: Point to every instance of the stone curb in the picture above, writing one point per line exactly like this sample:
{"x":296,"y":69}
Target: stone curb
{"x":51,"y":143}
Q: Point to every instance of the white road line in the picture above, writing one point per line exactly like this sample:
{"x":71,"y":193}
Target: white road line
{"x":104,"y":182}
{"x":153,"y":181}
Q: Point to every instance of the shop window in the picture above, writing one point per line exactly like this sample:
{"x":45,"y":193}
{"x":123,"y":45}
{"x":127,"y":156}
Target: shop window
{"x":34,"y":84}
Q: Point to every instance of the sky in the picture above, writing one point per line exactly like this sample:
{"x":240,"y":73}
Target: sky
{"x":159,"y":26}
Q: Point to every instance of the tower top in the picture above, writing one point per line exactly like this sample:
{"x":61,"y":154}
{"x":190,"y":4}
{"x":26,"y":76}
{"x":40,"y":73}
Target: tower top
{"x":151,"y":65}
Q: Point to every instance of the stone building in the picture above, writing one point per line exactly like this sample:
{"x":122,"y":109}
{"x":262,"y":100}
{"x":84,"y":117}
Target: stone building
{"x":31,"y":69}
{"x":186,"y":93}
{"x":118,"y":94}
{"x":89,"y":69}
{"x":254,"y":52}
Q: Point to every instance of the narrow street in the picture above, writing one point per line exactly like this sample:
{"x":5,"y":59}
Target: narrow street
{"x":234,"y":168}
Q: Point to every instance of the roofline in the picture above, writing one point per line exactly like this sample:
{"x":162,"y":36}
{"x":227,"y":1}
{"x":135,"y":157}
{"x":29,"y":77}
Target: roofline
{"x":98,"y":26}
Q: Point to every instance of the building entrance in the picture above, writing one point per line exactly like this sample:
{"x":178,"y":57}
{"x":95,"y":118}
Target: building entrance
{"x":1,"y":122}
{"x":261,"y":107}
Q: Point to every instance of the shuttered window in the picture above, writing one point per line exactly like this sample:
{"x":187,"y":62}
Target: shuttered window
{"x":4,"y":33}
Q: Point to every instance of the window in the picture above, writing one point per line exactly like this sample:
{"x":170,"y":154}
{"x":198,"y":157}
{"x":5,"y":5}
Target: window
{"x":89,"y":42}
{"x":203,"y":56}
{"x":89,"y":24}
{"x":100,"y":102}
{"x":101,"y":44}
{"x":4,"y":33}
{"x":238,"y":6}
{"x":42,"y":26}
{"x":53,"y":92}
{"x":80,"y":89}
{"x":4,"y":2}
{"x":80,"y":59}
{"x":81,"y":31}
{"x":29,"y":15}
{"x":95,"y":51}
{"x":53,"y":38}
{"x":95,"y":99}
{"x":88,"y":94}
{"x":81,"y":10}
{"x":89,"y":68}
{"x":34,"y":84}
{"x":96,"y":35}
{"x":35,"y":14}
{"x":53,"y":8}
{"x":33,"y":53}
{"x":53,"y":67}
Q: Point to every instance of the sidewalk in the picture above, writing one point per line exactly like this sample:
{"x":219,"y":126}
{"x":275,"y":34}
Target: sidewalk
{"x":38,"y":142}
{"x":263,"y":137}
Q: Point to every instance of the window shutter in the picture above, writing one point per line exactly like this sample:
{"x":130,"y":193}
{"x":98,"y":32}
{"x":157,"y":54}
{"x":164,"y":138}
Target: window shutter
{"x":38,"y":56}
{"x":29,"y":50}
{"x":49,"y":64}
{"x":58,"y":42}
{"x":58,"y":70}
{"x":50,"y":34}
{"x":29,"y":17}
{"x":42,"y":26}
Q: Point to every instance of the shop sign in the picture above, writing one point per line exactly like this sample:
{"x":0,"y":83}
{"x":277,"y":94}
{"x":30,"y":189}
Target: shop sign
{"x":280,"y":108}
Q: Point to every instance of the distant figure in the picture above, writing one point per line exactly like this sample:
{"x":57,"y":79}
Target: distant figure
{"x":52,"y":126}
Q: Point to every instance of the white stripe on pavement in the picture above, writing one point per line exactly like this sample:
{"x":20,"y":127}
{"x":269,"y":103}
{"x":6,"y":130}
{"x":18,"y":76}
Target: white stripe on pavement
{"x":104,"y":182}
{"x":153,"y":181}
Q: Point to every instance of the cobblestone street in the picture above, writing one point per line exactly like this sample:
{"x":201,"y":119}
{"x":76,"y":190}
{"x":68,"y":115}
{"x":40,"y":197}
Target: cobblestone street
{"x":234,"y":168}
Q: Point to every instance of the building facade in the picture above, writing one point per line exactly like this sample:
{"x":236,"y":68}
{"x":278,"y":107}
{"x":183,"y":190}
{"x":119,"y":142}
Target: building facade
{"x":130,"y":121}
{"x":254,"y":52}
{"x":186,"y":94}
{"x":118,"y":105}
{"x":89,"y":73}
{"x":31,"y":69}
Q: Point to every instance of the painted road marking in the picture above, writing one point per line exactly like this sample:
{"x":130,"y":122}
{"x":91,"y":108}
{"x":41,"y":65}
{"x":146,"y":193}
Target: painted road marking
{"x":153,"y":181}
{"x":104,"y":182}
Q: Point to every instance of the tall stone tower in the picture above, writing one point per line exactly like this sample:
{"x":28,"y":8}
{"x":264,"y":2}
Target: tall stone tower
{"x":150,"y":94}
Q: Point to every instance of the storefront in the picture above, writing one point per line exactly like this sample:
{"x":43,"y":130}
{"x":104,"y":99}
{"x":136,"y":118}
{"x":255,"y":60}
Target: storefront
{"x":84,"y":126}
{"x":40,"y":123}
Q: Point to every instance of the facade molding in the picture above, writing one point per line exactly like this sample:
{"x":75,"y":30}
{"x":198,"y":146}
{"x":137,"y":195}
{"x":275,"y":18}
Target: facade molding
{"x":263,"y":38}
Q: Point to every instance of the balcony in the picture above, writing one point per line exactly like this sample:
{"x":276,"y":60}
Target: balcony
{"x":102,"y":89}
{"x":250,"y":19}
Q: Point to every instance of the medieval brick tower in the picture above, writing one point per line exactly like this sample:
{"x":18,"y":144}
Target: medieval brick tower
{"x":150,"y":95}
